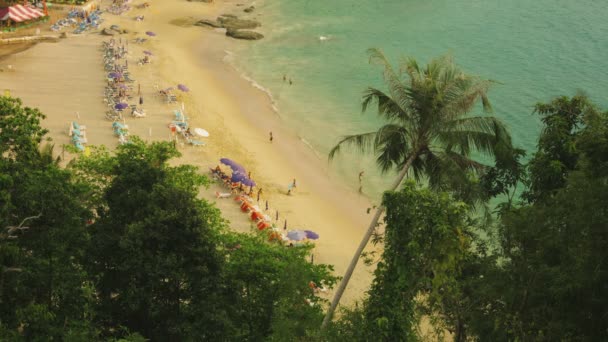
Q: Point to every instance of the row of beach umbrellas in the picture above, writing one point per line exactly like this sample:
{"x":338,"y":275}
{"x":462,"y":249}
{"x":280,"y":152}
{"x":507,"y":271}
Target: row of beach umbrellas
{"x":239,"y":174}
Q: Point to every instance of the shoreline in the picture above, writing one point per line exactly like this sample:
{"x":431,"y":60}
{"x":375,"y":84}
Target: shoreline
{"x":238,"y":115}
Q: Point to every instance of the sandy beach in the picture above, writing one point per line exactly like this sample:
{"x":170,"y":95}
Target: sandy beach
{"x":65,"y":80}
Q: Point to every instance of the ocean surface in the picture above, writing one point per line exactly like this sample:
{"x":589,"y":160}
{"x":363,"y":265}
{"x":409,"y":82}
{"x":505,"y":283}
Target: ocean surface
{"x":536,"y":49}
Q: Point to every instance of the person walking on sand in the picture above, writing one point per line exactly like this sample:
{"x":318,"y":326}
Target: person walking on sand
{"x":291,"y":186}
{"x":360,"y":180}
{"x":271,"y":137}
{"x":290,"y":82}
{"x":284,"y":77}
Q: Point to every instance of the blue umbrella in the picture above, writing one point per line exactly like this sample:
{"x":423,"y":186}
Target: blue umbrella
{"x":248,"y":182}
{"x":115,"y":75}
{"x":183,"y":88}
{"x":148,"y":53}
{"x":241,"y":177}
{"x":121,"y":106}
{"x":237,"y":177}
{"x":296,"y":235}
{"x":311,"y":235}
{"x":150,"y":33}
{"x":233,"y":165}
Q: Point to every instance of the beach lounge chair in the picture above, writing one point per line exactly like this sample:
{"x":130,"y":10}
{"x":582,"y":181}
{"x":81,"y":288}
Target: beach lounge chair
{"x":195,"y":142}
{"x":79,"y":139}
{"x":141,"y":113}
{"x":222,"y":194}
{"x":75,"y":125}
{"x":79,"y":146}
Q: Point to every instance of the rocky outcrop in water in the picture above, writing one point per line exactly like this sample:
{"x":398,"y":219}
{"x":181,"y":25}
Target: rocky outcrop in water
{"x":108,"y":32}
{"x":244,"y":34}
{"x":235,"y":27}
{"x":208,"y":23}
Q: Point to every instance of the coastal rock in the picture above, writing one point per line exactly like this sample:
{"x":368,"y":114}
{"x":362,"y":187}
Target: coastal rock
{"x":209,"y":23}
{"x":244,"y":34}
{"x":249,"y":9}
{"x":108,"y":32}
{"x":237,"y":24}
{"x":231,"y":16}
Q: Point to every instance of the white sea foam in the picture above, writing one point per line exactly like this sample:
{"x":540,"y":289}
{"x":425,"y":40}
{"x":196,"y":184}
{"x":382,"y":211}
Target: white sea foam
{"x":309,"y":145}
{"x":229,"y":59}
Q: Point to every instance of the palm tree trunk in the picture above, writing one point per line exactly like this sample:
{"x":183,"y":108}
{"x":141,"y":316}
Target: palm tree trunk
{"x":362,"y":244}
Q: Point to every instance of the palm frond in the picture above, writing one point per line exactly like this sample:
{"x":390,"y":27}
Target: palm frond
{"x":387,"y":107}
{"x":464,"y":141}
{"x":486,"y":134}
{"x":363,"y":142}
{"x":392,"y":145}
{"x":463,"y":94}
{"x":398,"y":91}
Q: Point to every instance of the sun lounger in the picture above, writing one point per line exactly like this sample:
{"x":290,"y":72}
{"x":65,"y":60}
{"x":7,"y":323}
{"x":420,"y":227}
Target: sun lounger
{"x":79,"y":146}
{"x":120,"y":125}
{"x":141,"y":113}
{"x":222,"y":194}
{"x":78,"y":139}
{"x":75,"y":125}
{"x":195,"y":142}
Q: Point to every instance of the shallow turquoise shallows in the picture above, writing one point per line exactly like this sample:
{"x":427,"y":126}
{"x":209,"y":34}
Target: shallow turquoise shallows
{"x":536,"y":49}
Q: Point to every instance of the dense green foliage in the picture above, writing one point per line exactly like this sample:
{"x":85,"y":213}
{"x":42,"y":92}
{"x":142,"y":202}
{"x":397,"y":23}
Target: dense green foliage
{"x":118,"y":246}
{"x":543,"y":275}
{"x":428,"y":133}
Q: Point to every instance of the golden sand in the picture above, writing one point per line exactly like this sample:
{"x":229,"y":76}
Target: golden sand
{"x":65,"y":80}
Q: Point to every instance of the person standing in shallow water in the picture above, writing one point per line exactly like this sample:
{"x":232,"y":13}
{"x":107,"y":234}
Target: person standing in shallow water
{"x":271,"y":137}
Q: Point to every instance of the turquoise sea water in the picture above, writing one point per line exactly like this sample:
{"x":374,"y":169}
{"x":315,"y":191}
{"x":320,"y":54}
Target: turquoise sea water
{"x":536,"y":49}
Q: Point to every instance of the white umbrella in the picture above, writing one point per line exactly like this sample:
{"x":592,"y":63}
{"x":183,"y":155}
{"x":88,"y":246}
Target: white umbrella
{"x":201,"y":132}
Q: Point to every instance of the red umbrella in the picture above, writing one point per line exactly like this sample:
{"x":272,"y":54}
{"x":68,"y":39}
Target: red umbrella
{"x":255,"y":215}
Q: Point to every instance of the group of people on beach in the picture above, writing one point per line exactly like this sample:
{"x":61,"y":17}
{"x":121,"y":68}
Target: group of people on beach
{"x":286,"y":80}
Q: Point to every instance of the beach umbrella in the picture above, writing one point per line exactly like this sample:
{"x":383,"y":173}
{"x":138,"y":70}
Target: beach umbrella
{"x":149,"y":53}
{"x":296,"y":235}
{"x":115,"y":75}
{"x":201,"y":132}
{"x":233,"y":165}
{"x":121,"y":106}
{"x":248,"y":182}
{"x":237,"y":177}
{"x":311,"y":235}
{"x":183,"y":88}
{"x":150,"y":33}
{"x":123,"y":86}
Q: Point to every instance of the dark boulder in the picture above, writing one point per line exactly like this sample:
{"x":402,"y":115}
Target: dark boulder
{"x":244,"y":34}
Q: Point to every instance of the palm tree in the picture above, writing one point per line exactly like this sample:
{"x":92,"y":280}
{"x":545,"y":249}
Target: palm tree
{"x":427,"y":132}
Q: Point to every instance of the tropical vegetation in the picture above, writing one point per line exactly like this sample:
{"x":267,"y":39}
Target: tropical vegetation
{"x":116,"y":246}
{"x":429,"y":133}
